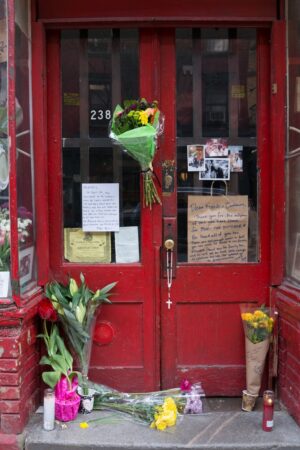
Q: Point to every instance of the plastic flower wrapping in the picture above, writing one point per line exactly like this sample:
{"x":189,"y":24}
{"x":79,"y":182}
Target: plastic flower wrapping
{"x":77,"y":307}
{"x":159,"y":410}
{"x":136,"y":127}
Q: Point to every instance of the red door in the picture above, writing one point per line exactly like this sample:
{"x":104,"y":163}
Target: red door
{"x":213,"y":159}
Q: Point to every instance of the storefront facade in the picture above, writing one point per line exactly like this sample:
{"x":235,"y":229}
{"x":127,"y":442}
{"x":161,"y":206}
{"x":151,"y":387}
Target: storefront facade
{"x":219,"y":77}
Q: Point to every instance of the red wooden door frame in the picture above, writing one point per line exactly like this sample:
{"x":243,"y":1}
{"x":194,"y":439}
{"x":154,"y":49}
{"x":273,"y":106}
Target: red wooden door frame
{"x":150,"y":87}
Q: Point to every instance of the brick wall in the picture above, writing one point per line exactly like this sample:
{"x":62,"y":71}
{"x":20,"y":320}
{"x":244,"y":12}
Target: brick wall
{"x":19,"y":375}
{"x":288,"y":304}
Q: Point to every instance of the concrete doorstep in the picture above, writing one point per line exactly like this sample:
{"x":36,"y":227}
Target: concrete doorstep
{"x":222,"y":427}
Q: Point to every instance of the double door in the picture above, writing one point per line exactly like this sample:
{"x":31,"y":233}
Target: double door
{"x":185,"y":267}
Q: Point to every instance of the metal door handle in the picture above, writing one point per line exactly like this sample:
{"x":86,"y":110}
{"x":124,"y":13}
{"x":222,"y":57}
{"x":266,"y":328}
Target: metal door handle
{"x":169,"y":244}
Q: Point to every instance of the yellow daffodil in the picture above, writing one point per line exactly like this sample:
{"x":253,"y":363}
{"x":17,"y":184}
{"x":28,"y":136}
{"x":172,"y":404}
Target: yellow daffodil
{"x":84,"y":425}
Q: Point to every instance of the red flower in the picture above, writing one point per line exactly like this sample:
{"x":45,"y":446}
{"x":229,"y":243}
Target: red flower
{"x":185,"y":385}
{"x":47,"y":311}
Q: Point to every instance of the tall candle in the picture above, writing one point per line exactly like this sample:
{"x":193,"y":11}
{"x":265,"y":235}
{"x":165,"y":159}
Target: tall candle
{"x":268,"y":411}
{"x":49,"y":409}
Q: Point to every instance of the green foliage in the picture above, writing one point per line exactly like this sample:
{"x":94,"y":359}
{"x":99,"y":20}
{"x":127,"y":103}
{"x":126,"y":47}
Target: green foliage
{"x":76,"y":306}
{"x":5,"y":256}
{"x":58,"y":357}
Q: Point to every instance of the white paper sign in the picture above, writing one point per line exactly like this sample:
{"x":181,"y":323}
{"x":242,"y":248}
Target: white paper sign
{"x":100,"y":207}
{"x":127,"y":245}
{"x":5,"y":288}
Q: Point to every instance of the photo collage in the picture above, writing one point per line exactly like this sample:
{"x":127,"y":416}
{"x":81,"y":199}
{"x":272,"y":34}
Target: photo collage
{"x":214,"y":160}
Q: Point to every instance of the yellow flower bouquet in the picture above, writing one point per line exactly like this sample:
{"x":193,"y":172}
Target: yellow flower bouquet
{"x":258,"y":327}
{"x":159,"y":410}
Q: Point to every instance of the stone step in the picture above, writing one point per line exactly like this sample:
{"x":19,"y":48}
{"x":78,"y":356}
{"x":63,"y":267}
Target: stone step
{"x":221,"y":427}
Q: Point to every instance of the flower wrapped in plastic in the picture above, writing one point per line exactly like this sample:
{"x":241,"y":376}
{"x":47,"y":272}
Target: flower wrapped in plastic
{"x":136,"y":127}
{"x":77,"y":308}
{"x":159,"y":409}
{"x":258,"y":327}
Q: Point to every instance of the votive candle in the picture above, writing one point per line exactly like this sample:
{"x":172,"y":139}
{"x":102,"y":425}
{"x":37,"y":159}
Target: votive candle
{"x":49,"y":409}
{"x":268,"y":411}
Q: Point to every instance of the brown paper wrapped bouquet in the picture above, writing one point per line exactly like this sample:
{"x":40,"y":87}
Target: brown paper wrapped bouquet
{"x":258,"y":326}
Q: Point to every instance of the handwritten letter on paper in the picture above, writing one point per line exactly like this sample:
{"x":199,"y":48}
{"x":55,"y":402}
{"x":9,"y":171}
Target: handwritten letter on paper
{"x":217,"y":228}
{"x":100,"y":207}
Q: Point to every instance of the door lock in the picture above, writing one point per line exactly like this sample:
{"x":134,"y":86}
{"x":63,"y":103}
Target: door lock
{"x":169,"y":244}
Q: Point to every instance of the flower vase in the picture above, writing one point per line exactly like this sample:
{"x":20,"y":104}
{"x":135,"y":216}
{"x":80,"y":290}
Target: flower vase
{"x":86,"y":399}
{"x":86,"y":394}
{"x":67,"y":401}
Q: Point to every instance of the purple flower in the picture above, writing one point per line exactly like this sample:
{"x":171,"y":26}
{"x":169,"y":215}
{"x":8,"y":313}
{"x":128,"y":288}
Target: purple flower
{"x":194,"y":403}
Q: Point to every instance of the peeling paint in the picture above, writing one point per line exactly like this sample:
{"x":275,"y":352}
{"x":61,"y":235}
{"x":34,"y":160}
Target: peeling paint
{"x":1,"y":351}
{"x":29,"y":337}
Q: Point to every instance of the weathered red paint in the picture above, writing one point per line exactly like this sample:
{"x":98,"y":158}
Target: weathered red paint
{"x":278,"y":138}
{"x":170,"y":10}
{"x":39,"y":111}
{"x":288,"y":303}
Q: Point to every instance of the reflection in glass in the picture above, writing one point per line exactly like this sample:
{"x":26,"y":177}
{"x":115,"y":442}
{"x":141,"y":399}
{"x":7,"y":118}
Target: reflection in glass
{"x":216,"y":110}
{"x":96,"y":76}
{"x":27,"y":264}
{"x":4,"y":167}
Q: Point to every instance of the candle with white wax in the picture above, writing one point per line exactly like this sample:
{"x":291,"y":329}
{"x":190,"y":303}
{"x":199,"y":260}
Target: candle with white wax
{"x":49,"y":409}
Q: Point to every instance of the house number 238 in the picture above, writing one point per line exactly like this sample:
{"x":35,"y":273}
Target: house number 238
{"x":100,"y":114}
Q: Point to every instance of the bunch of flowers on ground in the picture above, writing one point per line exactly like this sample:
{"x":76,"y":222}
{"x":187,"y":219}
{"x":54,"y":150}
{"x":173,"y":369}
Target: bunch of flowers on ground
{"x":136,"y":126}
{"x":157,"y":409}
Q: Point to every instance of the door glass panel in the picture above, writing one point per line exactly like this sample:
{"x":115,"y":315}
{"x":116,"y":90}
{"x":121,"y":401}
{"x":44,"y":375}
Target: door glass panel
{"x":216,"y":144}
{"x":99,"y":70}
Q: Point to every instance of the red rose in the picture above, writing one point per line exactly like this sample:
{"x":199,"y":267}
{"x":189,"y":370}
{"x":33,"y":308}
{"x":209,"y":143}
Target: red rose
{"x":47,"y":311}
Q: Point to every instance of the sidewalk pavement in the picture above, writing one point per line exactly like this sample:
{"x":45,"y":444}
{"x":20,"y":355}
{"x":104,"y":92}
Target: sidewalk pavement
{"x":223,"y":426}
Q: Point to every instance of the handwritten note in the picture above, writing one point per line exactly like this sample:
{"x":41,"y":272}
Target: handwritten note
{"x":217,"y":228}
{"x":100,"y":207}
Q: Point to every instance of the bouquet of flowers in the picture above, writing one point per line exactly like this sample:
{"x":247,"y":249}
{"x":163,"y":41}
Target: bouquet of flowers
{"x":258,"y":326}
{"x":136,"y":127}
{"x":62,"y":377}
{"x":77,"y":308}
{"x":157,"y":409}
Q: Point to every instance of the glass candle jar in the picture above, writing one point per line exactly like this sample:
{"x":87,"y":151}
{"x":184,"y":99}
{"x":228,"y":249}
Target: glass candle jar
{"x":268,"y":411}
{"x":49,"y":409}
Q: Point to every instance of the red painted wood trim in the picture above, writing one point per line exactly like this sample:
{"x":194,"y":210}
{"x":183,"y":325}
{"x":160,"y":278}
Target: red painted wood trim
{"x":278,"y":120}
{"x":11,"y":70}
{"x":39,"y":111}
{"x":155,"y":10}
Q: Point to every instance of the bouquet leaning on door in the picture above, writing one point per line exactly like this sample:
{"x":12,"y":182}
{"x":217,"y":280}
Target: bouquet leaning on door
{"x":258,"y":326}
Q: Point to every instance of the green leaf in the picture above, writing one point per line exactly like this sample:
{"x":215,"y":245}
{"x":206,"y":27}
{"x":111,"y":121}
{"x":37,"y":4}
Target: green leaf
{"x":57,"y":292}
{"x":45,"y":360}
{"x":51,"y":378}
{"x":76,"y":299}
{"x":52,"y":348}
{"x":64,"y":352}
{"x":59,"y":364}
